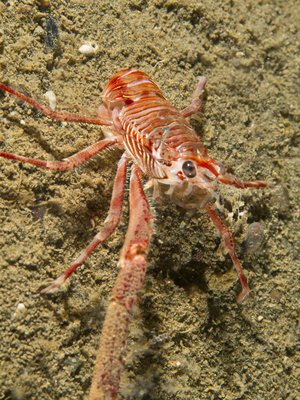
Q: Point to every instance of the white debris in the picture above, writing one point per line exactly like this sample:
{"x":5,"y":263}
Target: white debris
{"x":51,"y":97}
{"x":107,"y":132}
{"x":20,"y":310}
{"x":88,"y":49}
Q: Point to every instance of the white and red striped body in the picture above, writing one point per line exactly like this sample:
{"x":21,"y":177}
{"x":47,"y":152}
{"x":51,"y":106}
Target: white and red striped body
{"x":154,"y":132}
{"x":160,"y":141}
{"x":157,"y":137}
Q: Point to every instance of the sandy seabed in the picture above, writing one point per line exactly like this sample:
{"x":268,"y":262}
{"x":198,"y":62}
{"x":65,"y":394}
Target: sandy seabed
{"x":189,"y":339}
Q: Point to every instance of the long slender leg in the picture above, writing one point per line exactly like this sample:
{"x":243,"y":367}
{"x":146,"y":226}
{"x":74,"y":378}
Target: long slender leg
{"x":229,"y":179}
{"x":108,"y":228}
{"x":105,"y":383}
{"x":197,"y":98}
{"x":69,"y":162}
{"x":102,"y":119}
{"x":227,"y":237}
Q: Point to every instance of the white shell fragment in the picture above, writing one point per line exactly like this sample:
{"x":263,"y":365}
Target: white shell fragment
{"x":51,"y":97}
{"x":20,"y":310}
{"x":88,"y":49}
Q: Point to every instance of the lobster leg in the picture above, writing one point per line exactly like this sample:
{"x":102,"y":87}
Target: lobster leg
{"x":197,"y":99}
{"x":105,"y":383}
{"x":227,"y":237}
{"x":229,"y":179}
{"x":102,"y":119}
{"x":68,"y":163}
{"x":108,"y":228}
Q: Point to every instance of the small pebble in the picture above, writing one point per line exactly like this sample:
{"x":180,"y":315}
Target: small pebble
{"x":45,"y":3}
{"x":51,"y":33}
{"x":260,"y":318}
{"x":254,"y":237}
{"x":88,"y":49}
{"x":280,"y":200}
{"x":276,"y":295}
{"x":51,"y":97}
{"x":20,"y":310}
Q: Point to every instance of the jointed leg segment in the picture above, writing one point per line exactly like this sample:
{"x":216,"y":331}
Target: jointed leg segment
{"x":110,"y":225}
{"x":197,"y":98}
{"x":102,"y":119}
{"x":229,"y":179}
{"x":68,"y":163}
{"x":227,"y":237}
{"x":105,"y":384}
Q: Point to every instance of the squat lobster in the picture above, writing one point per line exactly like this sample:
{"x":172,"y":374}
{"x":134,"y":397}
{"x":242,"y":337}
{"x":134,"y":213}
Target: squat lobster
{"x":160,"y":144}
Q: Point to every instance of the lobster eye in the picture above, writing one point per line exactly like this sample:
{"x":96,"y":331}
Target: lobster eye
{"x":189,"y":169}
